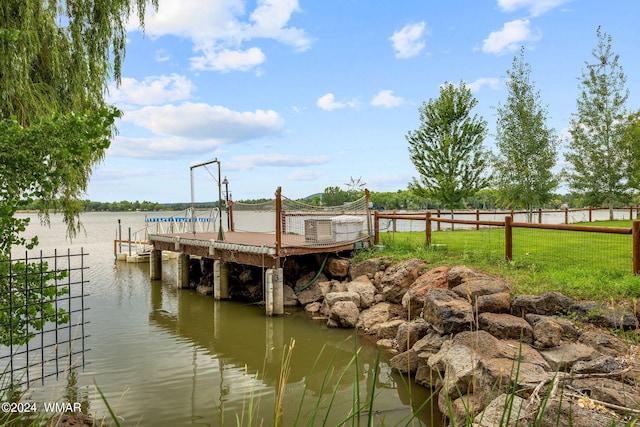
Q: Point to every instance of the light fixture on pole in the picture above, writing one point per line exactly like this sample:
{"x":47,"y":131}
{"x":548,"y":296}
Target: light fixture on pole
{"x":225,"y":181}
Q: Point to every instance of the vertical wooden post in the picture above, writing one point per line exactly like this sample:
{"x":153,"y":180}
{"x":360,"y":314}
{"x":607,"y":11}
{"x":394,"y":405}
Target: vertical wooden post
{"x":278,"y":221}
{"x":394,"y":221}
{"x":155,"y":264}
{"x":376,"y":228}
{"x":366,"y":193}
{"x":438,"y":215}
{"x":478,"y":219}
{"x":182,"y":280}
{"x":539,"y":215}
{"x":590,"y":214}
{"x":508,"y":238}
{"x":427,"y":229}
{"x":636,"y":247}
{"x":511,"y":214}
{"x":566,"y":215}
{"x":231,"y":228}
{"x":631,"y":213}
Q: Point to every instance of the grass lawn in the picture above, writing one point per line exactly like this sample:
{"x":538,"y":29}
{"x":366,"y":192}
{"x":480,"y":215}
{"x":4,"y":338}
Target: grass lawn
{"x":582,"y":265}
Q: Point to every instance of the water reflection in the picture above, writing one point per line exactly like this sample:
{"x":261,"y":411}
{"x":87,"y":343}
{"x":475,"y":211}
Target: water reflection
{"x":249,"y":349}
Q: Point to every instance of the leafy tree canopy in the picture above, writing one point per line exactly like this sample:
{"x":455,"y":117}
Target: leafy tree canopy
{"x":447,"y":148}
{"x":526,"y":145}
{"x":597,"y":153}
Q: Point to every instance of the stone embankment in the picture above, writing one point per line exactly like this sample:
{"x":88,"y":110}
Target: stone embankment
{"x":493,"y":358}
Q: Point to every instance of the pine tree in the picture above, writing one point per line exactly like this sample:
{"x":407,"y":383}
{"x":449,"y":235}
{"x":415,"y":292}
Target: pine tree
{"x":527,"y":147}
{"x":597,"y":153}
{"x":447,"y":148}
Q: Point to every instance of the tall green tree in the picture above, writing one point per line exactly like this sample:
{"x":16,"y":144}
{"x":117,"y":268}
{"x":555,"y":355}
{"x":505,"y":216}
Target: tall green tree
{"x":631,"y":139}
{"x":56,"y":59}
{"x":447,"y":148}
{"x":597,"y":153}
{"x":527,"y":146}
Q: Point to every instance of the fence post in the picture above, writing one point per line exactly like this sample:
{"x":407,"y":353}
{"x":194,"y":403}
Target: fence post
{"x":477,"y":219}
{"x":438,"y":214}
{"x":511,"y":214}
{"x":636,"y":247}
{"x":631,"y":213}
{"x":539,"y":215}
{"x":393,"y":221}
{"x":427,"y":230}
{"x":508,"y":238}
{"x":566,"y":215}
{"x":590,"y":213}
{"x":376,"y":228}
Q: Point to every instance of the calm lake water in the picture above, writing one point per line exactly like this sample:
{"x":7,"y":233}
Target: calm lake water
{"x":168,"y":357}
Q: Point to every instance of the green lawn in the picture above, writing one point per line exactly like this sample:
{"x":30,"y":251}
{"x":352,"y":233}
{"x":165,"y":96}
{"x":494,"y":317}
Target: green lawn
{"x":579,"y":264}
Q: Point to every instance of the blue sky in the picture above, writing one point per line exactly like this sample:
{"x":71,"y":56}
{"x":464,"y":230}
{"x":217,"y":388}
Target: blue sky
{"x":308,"y":94}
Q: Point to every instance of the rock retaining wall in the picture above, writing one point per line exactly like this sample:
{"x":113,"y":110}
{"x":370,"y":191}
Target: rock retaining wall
{"x":491,"y":356}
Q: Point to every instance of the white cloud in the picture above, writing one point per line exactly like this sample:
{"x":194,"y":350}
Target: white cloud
{"x":162,"y":55}
{"x":328,"y":102}
{"x":161,"y":147}
{"x":492,"y":82}
{"x":219,"y":29}
{"x":385,"y":98}
{"x":304,"y":175}
{"x":512,"y":35}
{"x":225,"y":60}
{"x":535,"y":7}
{"x":151,"y":90}
{"x":408,"y":41}
{"x":252,"y":161}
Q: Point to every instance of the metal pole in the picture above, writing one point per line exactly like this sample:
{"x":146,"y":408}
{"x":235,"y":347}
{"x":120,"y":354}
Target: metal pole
{"x":220,"y":232}
{"x":119,"y":237}
{"x":193,"y":202}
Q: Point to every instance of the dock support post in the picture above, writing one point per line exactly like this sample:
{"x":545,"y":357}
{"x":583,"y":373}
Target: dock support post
{"x":220,"y":280}
{"x":183,"y":271}
{"x":274,"y":291}
{"x":155,"y":264}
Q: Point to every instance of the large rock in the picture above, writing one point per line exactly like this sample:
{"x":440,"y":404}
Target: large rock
{"x":337,"y":267}
{"x":410,"y":332}
{"x":560,"y":411}
{"x":429,"y":343}
{"x":604,"y":342}
{"x":563,"y":357}
{"x":472,"y":288}
{"x":505,"y":410}
{"x":569,"y":330}
{"x":333,"y":297}
{"x":379,"y":313}
{"x":413,"y":300}
{"x":387,"y":330}
{"x":461,"y":410}
{"x":600,"y":315}
{"x":406,"y":363}
{"x":460,"y":361}
{"x":446,"y":312}
{"x":398,"y":278}
{"x":547,"y":333}
{"x":493,"y":303}
{"x":506,"y":326}
{"x":343,"y":314}
{"x":289,"y":297}
{"x":609,"y":391}
{"x":313,"y":293}
{"x":370,"y":267}
{"x":461,"y":274}
{"x":548,"y":304}
{"x":363,"y":287}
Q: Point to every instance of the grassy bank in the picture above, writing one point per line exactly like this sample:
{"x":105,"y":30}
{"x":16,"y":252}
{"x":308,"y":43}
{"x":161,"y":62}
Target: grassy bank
{"x":578,"y":264}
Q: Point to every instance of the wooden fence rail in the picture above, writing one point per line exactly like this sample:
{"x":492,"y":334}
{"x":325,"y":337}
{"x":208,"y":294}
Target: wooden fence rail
{"x":509,"y":225}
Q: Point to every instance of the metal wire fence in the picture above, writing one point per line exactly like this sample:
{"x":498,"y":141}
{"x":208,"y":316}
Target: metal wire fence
{"x":42,"y":316}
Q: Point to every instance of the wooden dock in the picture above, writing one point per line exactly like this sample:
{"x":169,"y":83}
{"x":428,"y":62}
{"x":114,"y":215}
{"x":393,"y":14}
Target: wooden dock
{"x":298,"y":233}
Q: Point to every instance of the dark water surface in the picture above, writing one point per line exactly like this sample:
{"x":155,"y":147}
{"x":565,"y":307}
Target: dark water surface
{"x":168,"y":357}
